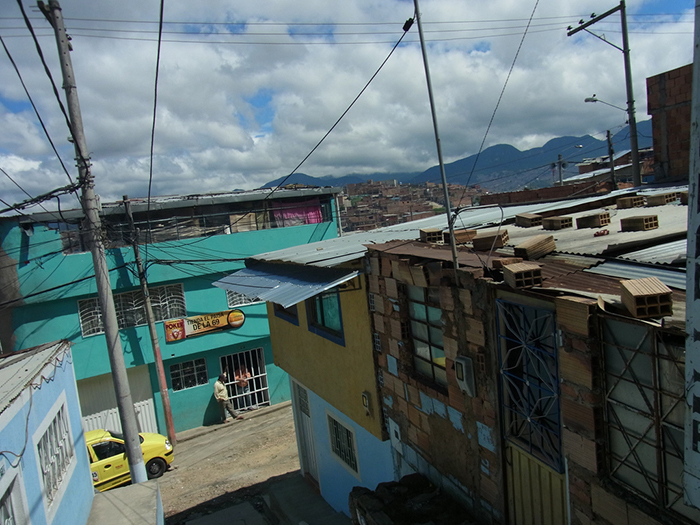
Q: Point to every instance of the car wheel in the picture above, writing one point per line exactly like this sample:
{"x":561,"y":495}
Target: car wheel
{"x":155,"y":468}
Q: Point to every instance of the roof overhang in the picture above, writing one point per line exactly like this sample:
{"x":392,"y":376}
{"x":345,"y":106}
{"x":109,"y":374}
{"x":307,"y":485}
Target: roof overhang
{"x":284,"y":284}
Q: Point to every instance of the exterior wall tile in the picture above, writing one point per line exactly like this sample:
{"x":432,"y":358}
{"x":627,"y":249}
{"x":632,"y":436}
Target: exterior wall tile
{"x":580,"y":450}
{"x":609,"y":507}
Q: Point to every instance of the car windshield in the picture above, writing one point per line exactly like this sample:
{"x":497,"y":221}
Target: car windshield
{"x":119,"y":435}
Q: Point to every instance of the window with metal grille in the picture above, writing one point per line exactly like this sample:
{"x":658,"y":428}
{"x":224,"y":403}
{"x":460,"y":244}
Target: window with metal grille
{"x":342,"y":443}
{"x":236,"y":299}
{"x":426,"y":332}
{"x":371,"y":299}
{"x":377,"y":342}
{"x":644,"y":395}
{"x":324,"y":316}
{"x":168,"y":302}
{"x":55,"y":453}
{"x":249,"y":365}
{"x":9,"y":506}
{"x":189,"y":374}
{"x":530,"y":380}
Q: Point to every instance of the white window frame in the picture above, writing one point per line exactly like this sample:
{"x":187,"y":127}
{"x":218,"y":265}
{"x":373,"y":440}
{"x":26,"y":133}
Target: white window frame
{"x":55,"y":436}
{"x":168,"y":302}
{"x":236,"y":299}
{"x":12,"y":494}
{"x":340,"y":449}
{"x":199,"y":362}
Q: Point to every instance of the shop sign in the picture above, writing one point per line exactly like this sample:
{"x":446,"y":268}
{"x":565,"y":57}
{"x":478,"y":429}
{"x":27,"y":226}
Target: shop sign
{"x":178,"y":329}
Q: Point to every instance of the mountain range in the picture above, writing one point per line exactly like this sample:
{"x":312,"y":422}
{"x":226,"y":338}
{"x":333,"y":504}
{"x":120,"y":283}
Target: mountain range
{"x":501,"y":167}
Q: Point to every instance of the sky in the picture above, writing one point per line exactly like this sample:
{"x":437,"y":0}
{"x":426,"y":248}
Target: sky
{"x":246,"y":90}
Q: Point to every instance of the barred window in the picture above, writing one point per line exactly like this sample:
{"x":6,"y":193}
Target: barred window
{"x":189,"y":374}
{"x":342,"y":443}
{"x":235,"y":299}
{"x":372,"y":305}
{"x":377,"y":342}
{"x":168,"y":302}
{"x":55,"y":453}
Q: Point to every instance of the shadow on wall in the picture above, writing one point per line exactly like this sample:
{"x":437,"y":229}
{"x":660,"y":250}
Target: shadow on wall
{"x":212,"y":413}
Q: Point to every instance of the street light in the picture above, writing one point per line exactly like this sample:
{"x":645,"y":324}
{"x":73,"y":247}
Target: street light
{"x":596,"y":99}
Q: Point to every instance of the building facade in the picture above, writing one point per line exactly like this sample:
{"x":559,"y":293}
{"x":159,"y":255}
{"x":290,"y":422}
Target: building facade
{"x":48,"y":290}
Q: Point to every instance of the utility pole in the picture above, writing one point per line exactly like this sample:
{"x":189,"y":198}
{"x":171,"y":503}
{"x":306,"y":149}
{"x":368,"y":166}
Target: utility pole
{"x":636,"y":175}
{"x":559,"y":163}
{"x":150,"y":319}
{"x":448,"y":210}
{"x":611,"y":155}
{"x":125,"y":404}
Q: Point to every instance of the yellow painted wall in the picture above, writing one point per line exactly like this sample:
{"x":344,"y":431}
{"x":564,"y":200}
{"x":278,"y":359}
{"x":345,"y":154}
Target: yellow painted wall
{"x":338,"y":374}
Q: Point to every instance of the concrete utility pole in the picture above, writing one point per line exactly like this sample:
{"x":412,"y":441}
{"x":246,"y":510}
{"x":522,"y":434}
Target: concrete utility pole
{"x":150,"y":319}
{"x":631,"y":117}
{"x":125,"y":403}
{"x":448,"y":207}
{"x":611,"y":156}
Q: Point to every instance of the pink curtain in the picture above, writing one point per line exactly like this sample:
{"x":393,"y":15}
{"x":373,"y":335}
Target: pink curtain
{"x":297,"y":213}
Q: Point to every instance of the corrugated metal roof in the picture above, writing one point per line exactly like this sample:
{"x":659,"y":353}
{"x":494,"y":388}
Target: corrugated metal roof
{"x":333,"y":252}
{"x":667,"y":253}
{"x":671,"y":278}
{"x":18,"y":370}
{"x":284,"y":284}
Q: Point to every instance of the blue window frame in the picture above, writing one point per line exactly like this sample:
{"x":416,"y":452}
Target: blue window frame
{"x":325,"y":317}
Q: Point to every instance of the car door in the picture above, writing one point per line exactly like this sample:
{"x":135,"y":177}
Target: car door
{"x":110,"y":467}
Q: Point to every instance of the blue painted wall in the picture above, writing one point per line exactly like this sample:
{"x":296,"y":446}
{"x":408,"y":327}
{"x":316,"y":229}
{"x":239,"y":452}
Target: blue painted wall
{"x":335,"y":479}
{"x":77,"y":495}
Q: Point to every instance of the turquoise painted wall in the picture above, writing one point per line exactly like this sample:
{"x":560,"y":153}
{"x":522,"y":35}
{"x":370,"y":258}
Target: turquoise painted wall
{"x":75,"y":499}
{"x":49,"y":310}
{"x":335,"y":479}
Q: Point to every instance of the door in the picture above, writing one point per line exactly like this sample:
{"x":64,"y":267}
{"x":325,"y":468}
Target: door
{"x":531,"y":415}
{"x":305,"y":435}
{"x":109,"y":464}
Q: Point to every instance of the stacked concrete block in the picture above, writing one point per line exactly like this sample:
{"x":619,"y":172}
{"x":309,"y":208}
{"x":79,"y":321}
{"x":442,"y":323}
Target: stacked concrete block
{"x":596,"y":220}
{"x":646,"y":298}
{"x":522,"y":275}
{"x":431,"y":235}
{"x":639,"y":223}
{"x":660,"y":199}
{"x":557,"y":223}
{"x":486,"y":242}
{"x":528,"y":220}
{"x":462,"y":235}
{"x":635,"y":201}
{"x":535,"y":247}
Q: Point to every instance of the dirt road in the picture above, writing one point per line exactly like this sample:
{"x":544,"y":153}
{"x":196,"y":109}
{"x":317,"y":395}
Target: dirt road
{"x":215,"y":469}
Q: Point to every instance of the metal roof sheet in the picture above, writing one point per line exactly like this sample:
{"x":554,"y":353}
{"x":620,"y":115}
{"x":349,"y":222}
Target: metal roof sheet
{"x":333,"y":252}
{"x":674,"y":252}
{"x":671,"y":278}
{"x":18,"y":370}
{"x":283,"y":284}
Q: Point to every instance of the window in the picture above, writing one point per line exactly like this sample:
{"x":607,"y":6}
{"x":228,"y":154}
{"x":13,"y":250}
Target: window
{"x":189,"y":374}
{"x":256,"y":393}
{"x":426,"y":332}
{"x":235,"y":299}
{"x":13,"y":510}
{"x":377,"y":342}
{"x":55,"y":453}
{"x":342,"y":443}
{"x":324,"y":316}
{"x":288,"y":314}
{"x":530,"y":380}
{"x":167,"y":302}
{"x":645,"y":412}
{"x":107,"y":449}
{"x":372,"y":305}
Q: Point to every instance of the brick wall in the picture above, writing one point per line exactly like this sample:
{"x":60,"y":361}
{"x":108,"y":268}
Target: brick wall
{"x":669,"y":104}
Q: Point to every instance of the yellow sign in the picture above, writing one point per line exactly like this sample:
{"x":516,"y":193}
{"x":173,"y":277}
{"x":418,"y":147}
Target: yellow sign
{"x":178,"y":329}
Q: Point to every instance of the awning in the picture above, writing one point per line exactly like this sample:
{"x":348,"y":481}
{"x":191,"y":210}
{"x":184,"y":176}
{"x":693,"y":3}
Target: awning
{"x":284,"y":284}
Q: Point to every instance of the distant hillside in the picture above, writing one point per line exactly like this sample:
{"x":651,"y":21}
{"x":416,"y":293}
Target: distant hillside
{"x":501,"y":167}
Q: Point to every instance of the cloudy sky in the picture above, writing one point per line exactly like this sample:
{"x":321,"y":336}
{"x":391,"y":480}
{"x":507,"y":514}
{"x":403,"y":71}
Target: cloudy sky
{"x":247,"y":89}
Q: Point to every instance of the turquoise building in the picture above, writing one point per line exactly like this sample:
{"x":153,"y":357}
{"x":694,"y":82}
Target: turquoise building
{"x":48,"y":292}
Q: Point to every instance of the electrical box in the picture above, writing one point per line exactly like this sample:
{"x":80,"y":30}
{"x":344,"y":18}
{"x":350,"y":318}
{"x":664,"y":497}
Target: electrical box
{"x":464,"y":371}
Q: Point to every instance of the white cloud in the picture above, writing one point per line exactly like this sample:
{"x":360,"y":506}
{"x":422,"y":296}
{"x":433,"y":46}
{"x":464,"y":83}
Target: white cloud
{"x":207,"y":134}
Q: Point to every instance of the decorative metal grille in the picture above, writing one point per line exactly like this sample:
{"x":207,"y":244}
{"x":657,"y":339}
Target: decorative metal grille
{"x":7,"y":512}
{"x":55,"y":453}
{"x":342,"y":442}
{"x":168,"y":302}
{"x":235,"y":299}
{"x":645,"y":381}
{"x":189,"y":374}
{"x":530,"y":380}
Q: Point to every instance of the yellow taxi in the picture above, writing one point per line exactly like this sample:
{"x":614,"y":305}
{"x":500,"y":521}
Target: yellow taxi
{"x":108,"y":462}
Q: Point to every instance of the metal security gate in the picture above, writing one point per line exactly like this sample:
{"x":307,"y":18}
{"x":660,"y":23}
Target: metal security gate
{"x":251,"y":364}
{"x":644,"y":398}
{"x":530,"y":409}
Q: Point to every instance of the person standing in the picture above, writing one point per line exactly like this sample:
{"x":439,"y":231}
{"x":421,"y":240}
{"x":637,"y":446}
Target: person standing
{"x":243,"y":376}
{"x":221,"y":396}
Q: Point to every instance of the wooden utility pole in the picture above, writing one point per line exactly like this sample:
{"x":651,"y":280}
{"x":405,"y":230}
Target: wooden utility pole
{"x":125,"y":404}
{"x":150,"y":319}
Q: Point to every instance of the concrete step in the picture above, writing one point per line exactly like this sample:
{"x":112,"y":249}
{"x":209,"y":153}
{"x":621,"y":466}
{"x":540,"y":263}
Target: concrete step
{"x":294,"y":502}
